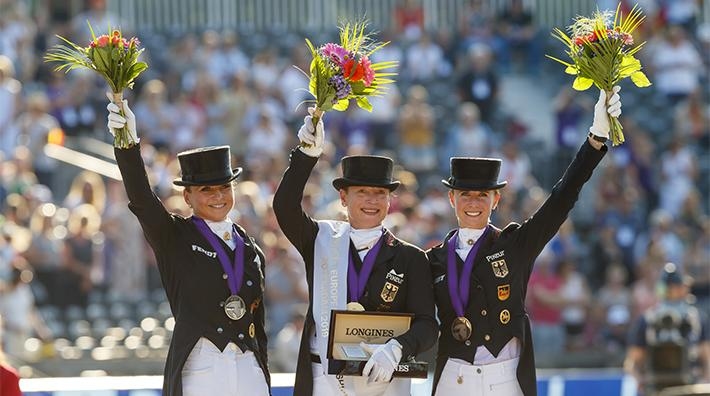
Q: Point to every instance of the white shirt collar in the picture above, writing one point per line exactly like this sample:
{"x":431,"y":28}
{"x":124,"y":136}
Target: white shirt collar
{"x":467,"y":237}
{"x":223,"y":229}
{"x":365,"y":238}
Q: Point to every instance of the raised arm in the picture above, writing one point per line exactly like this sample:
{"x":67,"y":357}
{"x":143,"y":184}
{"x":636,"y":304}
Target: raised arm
{"x":142,"y":200}
{"x":296,"y":224}
{"x":545,"y":222}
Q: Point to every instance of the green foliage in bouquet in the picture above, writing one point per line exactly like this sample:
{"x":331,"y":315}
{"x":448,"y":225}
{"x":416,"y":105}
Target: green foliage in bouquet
{"x":112,"y":56}
{"x":602,"y":49}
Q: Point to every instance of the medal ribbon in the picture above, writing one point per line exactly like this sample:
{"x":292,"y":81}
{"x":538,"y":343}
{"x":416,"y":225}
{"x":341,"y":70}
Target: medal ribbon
{"x":458,"y":288}
{"x":357,"y":281}
{"x":235,"y":272}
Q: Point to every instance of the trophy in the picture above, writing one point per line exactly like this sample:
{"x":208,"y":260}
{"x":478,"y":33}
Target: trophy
{"x":349,"y":328}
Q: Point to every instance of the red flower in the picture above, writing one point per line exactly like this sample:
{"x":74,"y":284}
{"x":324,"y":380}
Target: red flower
{"x":353,"y":71}
{"x":102,"y":41}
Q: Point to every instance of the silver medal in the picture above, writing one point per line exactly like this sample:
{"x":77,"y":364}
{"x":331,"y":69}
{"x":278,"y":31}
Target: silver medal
{"x":234,"y":307}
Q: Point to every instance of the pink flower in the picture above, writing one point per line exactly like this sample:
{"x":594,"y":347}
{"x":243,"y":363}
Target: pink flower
{"x":335,"y":53}
{"x":628,"y":39}
{"x":366,"y":66}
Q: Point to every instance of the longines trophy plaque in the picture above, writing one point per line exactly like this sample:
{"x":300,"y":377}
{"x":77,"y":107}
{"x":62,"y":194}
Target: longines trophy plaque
{"x":349,"y":328}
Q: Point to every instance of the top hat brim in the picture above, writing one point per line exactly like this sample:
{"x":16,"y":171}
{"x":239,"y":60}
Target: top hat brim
{"x":236,"y":172}
{"x":343,"y":182}
{"x":462,"y":185}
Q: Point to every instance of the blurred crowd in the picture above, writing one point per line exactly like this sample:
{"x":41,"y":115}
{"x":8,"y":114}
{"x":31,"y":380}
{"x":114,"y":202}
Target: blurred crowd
{"x":72,"y":250}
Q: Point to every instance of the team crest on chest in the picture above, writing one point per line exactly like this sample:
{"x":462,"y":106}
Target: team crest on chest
{"x":389,"y":292}
{"x":503,"y":292}
{"x":500,"y":268}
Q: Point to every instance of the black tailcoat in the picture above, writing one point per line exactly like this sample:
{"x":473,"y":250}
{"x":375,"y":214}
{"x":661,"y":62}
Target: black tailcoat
{"x":193,"y":277}
{"x":414,"y":295}
{"x":500,"y":276}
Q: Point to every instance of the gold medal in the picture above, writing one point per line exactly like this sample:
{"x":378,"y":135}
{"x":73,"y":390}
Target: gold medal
{"x":354,"y":306}
{"x":461,"y":329}
{"x":234,"y":307}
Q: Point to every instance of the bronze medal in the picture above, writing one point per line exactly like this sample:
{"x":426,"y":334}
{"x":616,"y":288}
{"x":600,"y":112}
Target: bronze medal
{"x":461,"y":329}
{"x":354,"y":306}
{"x":234,"y":307}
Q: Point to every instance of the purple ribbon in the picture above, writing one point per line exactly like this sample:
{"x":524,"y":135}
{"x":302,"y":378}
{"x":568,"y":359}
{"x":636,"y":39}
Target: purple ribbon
{"x":235,"y":272}
{"x":458,"y":288}
{"x":357,"y":281}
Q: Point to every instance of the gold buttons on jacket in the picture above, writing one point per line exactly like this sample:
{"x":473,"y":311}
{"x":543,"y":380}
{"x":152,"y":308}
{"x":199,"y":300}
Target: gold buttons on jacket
{"x":484,"y":312}
{"x":504,"y":316}
{"x":487,"y":337}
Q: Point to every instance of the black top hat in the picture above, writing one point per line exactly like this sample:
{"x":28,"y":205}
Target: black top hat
{"x":206,"y":166}
{"x":366,"y":170}
{"x":476,"y":174}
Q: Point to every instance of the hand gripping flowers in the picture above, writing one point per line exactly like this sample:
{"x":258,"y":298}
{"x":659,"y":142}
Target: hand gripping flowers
{"x":602,"y":52}
{"x":340,"y":72}
{"x":112,"y":56}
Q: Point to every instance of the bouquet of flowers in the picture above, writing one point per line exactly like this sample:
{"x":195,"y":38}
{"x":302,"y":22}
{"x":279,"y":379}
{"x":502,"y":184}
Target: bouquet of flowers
{"x":112,"y":56}
{"x":340,"y":72}
{"x":601,"y":49}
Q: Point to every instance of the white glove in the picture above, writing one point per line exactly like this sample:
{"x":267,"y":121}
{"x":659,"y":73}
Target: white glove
{"x":117,"y":121}
{"x":312,"y":139}
{"x":600,"y":126}
{"x":383,"y":360}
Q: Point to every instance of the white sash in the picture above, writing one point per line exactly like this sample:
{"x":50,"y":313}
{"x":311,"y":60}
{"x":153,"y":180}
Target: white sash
{"x":330,"y":269}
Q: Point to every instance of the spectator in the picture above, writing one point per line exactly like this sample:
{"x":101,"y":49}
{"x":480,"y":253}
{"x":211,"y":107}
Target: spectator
{"x":10,"y":90}
{"x":518,"y":33}
{"x":17,"y":306}
{"x":125,"y":264}
{"x":544,"y":304}
{"x":409,"y":19}
{"x":676,"y":65}
{"x":425,"y":61}
{"x":153,"y":113}
{"x":82,"y":260}
{"x":86,"y":188}
{"x":416,"y":131}
{"x":467,"y":137}
{"x":576,"y":297}
{"x":34,"y":127}
{"x":479,"y":82}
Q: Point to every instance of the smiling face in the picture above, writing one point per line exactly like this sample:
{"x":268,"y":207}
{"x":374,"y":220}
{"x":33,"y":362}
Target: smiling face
{"x":473,"y":208}
{"x":211,"y":203}
{"x":367,"y":206}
